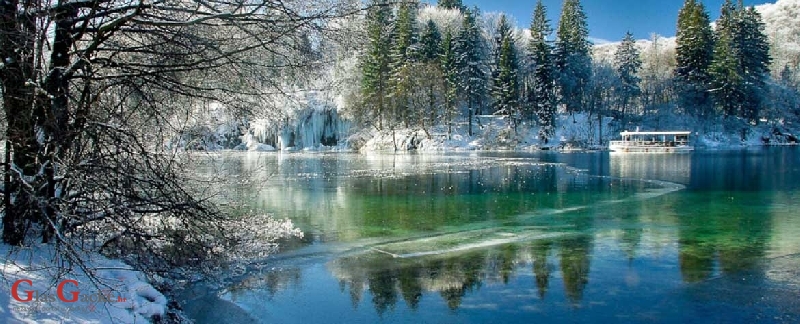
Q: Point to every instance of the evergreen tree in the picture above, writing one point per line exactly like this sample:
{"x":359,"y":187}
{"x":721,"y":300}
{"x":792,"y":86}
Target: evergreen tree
{"x":502,"y":29}
{"x":695,"y":45}
{"x":741,"y":62}
{"x":403,"y":55}
{"x":375,"y":64}
{"x":471,"y":64}
{"x":505,"y":86}
{"x":430,"y":42}
{"x":429,"y":52}
{"x":541,"y":84}
{"x":627,"y":63}
{"x":572,"y":55}
{"x":450,"y":4}
{"x":405,"y":33}
{"x":726,"y":78}
{"x":450,"y":78}
{"x":754,"y":60}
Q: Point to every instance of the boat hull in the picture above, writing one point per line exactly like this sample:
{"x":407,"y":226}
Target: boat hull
{"x":650,"y":149}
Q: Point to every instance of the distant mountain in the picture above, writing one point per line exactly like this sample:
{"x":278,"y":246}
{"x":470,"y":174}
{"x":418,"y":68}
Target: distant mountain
{"x":782,"y":25}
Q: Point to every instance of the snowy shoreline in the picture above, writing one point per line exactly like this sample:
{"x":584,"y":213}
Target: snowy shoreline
{"x":38,"y":286}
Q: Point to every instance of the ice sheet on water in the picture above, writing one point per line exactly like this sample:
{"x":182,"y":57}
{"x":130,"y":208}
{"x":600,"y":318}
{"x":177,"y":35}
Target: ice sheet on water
{"x":489,"y":234}
{"x":462,"y":241}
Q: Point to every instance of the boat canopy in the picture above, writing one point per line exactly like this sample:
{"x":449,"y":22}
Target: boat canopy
{"x":626,"y":133}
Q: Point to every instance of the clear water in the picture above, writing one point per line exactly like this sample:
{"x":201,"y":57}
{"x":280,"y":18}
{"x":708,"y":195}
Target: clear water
{"x":516,"y":237}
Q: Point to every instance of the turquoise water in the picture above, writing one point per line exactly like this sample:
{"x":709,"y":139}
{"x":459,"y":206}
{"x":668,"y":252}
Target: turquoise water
{"x":519,"y":237}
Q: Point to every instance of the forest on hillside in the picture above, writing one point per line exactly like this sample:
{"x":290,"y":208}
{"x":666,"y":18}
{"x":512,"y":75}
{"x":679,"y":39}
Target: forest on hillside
{"x":424,"y":66}
{"x":408,"y":66}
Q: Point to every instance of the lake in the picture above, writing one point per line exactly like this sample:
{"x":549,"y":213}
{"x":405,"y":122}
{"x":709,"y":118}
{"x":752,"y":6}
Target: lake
{"x":518,"y":237}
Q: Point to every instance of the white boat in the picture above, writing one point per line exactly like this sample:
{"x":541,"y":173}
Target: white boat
{"x":652,"y":142}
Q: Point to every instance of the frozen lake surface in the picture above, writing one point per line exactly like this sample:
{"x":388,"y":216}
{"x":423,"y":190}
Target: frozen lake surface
{"x":519,"y":237}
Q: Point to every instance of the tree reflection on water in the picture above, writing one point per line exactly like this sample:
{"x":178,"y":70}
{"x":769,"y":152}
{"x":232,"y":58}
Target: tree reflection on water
{"x":572,"y":236}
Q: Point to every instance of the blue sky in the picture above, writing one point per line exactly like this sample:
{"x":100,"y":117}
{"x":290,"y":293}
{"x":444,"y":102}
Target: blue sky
{"x":609,"y":19}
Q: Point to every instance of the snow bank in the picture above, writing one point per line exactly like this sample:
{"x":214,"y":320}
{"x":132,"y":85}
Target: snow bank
{"x":489,"y":133}
{"x":416,"y":139}
{"x":29,"y":291}
{"x":574,"y":132}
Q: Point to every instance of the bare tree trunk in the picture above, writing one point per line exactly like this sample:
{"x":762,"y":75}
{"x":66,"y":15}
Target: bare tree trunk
{"x":469,"y":116}
{"x":18,"y":102}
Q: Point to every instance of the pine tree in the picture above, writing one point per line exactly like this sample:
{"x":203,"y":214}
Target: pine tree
{"x":405,"y":32}
{"x":450,"y":4}
{"x":505,"y":87}
{"x":541,"y":85}
{"x":471,"y":64}
{"x":502,"y":29}
{"x":430,"y":42}
{"x":627,"y":63}
{"x":754,"y":61}
{"x":375,"y":65}
{"x":695,"y":45}
{"x":403,"y":56}
{"x":726,"y":77}
{"x":741,"y":62}
{"x":429,"y":52}
{"x":450,"y":78}
{"x":572,"y":55}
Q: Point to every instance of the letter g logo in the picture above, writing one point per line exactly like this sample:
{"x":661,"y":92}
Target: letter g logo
{"x":15,"y":291}
{"x":60,"y":291}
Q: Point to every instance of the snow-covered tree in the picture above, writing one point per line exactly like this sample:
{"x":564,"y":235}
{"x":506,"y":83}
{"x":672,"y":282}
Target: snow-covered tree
{"x":450,"y":79}
{"x":658,"y":66}
{"x":430,"y":51}
{"x":450,"y":4}
{"x":375,"y":64}
{"x":695,"y":45}
{"x":430,"y":42}
{"x":471,"y":63}
{"x":627,"y":63}
{"x":505,"y":85}
{"x":404,"y":55}
{"x":572,"y":56}
{"x":541,"y":78}
{"x":90,"y":89}
{"x":754,"y":59}
{"x":600,"y":95}
{"x":741,"y":62}
{"x":726,"y":80}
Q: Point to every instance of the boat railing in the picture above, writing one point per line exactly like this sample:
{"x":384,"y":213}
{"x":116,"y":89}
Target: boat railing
{"x":648,"y":143}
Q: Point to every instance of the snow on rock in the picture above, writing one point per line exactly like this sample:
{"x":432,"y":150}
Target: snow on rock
{"x":29,"y":290}
{"x":258,"y":147}
{"x":489,"y":133}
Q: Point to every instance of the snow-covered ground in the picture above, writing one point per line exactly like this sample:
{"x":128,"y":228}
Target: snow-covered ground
{"x":573,"y":132}
{"x":32,"y":290}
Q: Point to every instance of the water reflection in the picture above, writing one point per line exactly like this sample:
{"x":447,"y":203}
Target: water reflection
{"x":732,"y":235}
{"x":666,"y":167}
{"x":452,"y":277}
{"x":397,"y":238}
{"x":340,"y":199}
